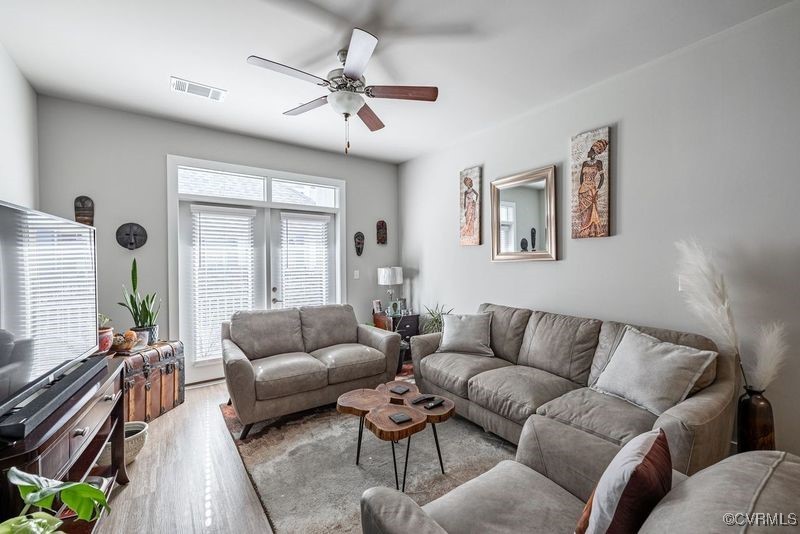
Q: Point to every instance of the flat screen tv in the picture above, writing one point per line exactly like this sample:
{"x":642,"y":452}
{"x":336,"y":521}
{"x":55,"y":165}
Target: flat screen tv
{"x":48,"y":300}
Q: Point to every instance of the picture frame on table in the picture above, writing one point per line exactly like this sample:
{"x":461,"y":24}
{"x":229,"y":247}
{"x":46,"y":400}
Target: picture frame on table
{"x":377,"y":307}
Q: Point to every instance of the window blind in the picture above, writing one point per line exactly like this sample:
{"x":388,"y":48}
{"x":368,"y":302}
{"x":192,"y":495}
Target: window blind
{"x":507,"y":226}
{"x":305,"y":259}
{"x":223,"y":273}
{"x":58,"y":290}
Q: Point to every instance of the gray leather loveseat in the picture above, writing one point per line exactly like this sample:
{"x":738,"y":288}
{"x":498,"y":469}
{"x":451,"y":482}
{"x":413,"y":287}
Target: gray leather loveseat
{"x":279,"y":362}
{"x":542,"y":366}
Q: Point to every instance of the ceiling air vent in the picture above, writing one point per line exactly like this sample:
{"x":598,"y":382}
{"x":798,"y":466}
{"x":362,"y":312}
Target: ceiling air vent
{"x":205,"y":91}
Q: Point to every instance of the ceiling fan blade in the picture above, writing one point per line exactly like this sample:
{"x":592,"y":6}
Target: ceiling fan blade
{"x":403,"y":92}
{"x":362,"y":44}
{"x":370,"y":119}
{"x":308,"y":106}
{"x":289,"y":71}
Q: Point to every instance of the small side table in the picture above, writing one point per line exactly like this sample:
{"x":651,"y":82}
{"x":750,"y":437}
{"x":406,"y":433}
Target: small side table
{"x":405,"y":325}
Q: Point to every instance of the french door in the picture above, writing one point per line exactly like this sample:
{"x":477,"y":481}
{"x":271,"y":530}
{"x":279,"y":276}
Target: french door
{"x":302,"y":254}
{"x":247,"y":239}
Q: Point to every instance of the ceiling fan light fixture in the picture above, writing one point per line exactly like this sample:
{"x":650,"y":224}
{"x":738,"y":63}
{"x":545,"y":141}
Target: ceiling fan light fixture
{"x":345,"y":102}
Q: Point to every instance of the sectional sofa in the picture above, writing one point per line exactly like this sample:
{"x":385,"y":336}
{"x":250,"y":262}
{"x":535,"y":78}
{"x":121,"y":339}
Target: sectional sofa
{"x":279,"y":362}
{"x":514,"y":497}
{"x":543,"y":366}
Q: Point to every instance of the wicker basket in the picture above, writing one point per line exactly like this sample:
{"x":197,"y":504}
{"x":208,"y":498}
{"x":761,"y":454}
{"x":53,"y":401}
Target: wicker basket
{"x":135,"y":438}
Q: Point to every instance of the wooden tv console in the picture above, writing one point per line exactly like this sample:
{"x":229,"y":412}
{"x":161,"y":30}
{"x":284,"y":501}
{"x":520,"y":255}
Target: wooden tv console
{"x":68,"y":443}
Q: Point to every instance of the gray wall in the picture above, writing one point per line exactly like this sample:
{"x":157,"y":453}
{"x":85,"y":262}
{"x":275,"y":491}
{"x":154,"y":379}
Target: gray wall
{"x":119,"y":159}
{"x":18,"y":140}
{"x":704,"y":144}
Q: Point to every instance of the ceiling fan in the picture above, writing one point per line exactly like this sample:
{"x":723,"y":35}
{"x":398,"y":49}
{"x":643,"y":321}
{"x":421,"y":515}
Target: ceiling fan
{"x":347,"y":85}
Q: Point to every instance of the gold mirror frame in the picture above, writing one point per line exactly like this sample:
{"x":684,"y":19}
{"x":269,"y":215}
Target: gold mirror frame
{"x":548,"y":174}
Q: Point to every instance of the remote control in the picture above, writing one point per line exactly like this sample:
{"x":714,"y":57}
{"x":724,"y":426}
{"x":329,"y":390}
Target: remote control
{"x":422,"y":398}
{"x":400,"y":418}
{"x":434,"y":404}
{"x":400,"y":390}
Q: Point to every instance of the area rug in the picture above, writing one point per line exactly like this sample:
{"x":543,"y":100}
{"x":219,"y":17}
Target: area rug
{"x":303,"y":467}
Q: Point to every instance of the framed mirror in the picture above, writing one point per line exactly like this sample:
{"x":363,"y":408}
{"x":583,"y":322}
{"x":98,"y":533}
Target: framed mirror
{"x":524,"y":216}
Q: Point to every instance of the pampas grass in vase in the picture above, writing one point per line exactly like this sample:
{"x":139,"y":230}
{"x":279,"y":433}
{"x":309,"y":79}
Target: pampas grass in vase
{"x":703,"y":287}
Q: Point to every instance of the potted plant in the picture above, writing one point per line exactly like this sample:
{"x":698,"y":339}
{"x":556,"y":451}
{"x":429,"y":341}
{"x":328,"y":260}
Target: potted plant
{"x":435,"y":321}
{"x":144,"y":310}
{"x":86,"y":500}
{"x":105,"y":333}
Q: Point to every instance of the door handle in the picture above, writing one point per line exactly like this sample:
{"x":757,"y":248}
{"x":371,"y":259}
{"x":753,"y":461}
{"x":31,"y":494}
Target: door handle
{"x":275,"y":300}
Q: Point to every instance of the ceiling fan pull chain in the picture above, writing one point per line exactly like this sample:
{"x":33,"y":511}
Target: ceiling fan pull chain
{"x":346,"y":133}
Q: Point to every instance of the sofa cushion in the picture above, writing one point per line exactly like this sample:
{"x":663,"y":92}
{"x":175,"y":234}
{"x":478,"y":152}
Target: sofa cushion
{"x":602,"y":415}
{"x":324,"y":326}
{"x":638,"y":477}
{"x":757,"y":482}
{"x":262,"y":333}
{"x":611,"y":331}
{"x":516,"y":391}
{"x":561,"y":344}
{"x":655,"y":375}
{"x":349,"y":361}
{"x":285,"y":374}
{"x":508,"y":327}
{"x":510,"y":497}
{"x":452,"y":370}
{"x":466,"y":333}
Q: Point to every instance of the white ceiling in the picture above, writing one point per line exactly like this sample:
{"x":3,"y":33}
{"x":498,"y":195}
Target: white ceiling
{"x":492,"y":60}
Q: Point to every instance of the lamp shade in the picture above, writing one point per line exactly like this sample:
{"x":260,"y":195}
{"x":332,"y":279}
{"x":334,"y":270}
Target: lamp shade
{"x":390,"y":276}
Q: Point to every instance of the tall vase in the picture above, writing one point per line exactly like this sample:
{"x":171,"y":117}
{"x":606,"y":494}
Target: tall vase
{"x":756,"y":425}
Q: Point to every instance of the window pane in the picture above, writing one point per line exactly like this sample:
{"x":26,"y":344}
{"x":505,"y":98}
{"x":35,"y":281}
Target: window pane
{"x":305,"y":257}
{"x":220,"y":184}
{"x":223,"y":274}
{"x":300,"y":193}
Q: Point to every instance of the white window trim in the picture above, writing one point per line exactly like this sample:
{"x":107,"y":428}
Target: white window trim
{"x":173,"y":199}
{"x":512,"y":223}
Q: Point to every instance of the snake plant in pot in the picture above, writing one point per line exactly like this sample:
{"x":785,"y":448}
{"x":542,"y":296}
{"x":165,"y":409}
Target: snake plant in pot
{"x":144,"y":309}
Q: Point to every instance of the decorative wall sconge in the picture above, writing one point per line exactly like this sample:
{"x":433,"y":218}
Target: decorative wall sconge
{"x":381,"y":229}
{"x":359,"y":241}
{"x":84,"y":210}
{"x":131,"y":236}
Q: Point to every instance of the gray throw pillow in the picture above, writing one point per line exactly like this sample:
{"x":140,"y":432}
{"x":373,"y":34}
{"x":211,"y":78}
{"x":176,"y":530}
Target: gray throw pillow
{"x":650,"y":373}
{"x":466,"y":333}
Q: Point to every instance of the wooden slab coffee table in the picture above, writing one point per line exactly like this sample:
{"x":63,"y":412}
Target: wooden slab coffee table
{"x":379,"y":422}
{"x":373,"y":408}
{"x":440,"y":414}
{"x":359,"y":402}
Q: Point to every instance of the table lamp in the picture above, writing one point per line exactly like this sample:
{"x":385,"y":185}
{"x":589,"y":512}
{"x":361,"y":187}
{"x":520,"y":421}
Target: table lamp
{"x":390,"y":276}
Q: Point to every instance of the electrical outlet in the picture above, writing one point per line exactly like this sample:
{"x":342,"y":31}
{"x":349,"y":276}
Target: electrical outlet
{"x":356,"y":275}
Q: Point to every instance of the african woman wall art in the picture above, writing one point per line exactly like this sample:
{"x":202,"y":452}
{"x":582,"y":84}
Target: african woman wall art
{"x":589,"y":166}
{"x":469,"y":206}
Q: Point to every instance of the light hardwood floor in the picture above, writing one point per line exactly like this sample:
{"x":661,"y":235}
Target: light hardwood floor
{"x":189,"y":477}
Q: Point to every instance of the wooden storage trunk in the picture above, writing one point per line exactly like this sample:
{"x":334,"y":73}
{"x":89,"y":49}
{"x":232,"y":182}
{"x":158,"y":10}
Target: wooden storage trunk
{"x":154,"y":380}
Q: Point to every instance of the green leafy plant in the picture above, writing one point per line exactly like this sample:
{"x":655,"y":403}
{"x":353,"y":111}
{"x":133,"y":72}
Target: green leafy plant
{"x":144,"y":310}
{"x":103,"y":321}
{"x":435,"y":321}
{"x":87,"y":501}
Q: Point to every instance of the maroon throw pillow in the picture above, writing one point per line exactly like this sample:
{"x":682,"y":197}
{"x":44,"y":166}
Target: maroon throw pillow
{"x":631,"y":486}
